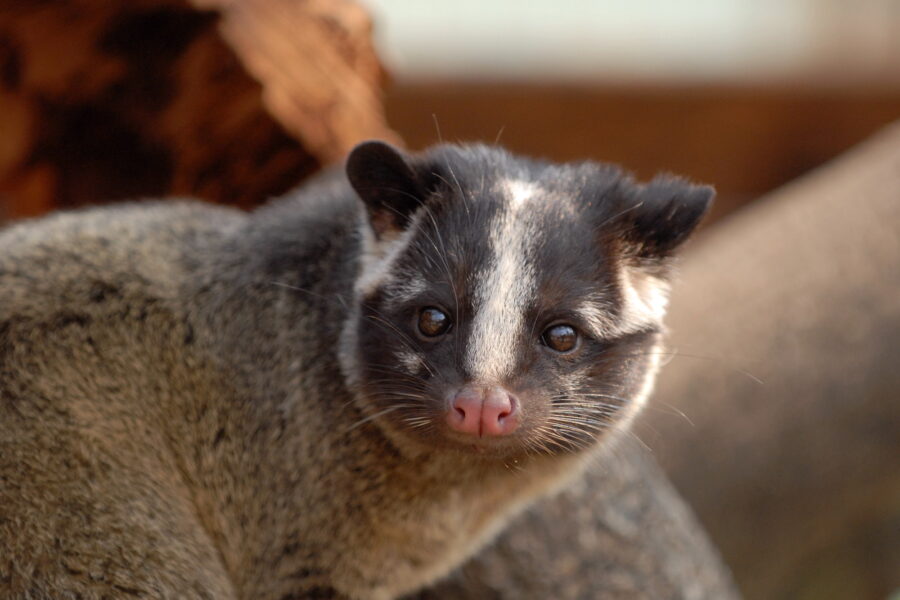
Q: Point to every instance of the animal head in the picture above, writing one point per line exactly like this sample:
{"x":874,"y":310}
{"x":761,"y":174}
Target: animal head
{"x":509,"y":306}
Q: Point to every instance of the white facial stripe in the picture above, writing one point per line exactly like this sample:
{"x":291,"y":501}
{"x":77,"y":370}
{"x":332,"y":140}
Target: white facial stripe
{"x":504,"y":290}
{"x":645,"y":298}
{"x":519,"y":192}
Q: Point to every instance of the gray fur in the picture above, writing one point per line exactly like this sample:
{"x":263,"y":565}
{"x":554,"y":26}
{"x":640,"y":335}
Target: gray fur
{"x":175,"y":421}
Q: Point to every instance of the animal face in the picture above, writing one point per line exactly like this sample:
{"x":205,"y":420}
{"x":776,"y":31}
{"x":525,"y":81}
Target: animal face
{"x":510,"y":306}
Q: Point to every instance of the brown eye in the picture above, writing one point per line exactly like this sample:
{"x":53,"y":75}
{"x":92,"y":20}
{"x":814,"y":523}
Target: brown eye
{"x":561,"y":338}
{"x":433,"y":322}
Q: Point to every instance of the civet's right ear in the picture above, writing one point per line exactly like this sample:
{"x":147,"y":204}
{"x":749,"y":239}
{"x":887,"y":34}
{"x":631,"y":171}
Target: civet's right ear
{"x":387,"y":183}
{"x":662,"y":215}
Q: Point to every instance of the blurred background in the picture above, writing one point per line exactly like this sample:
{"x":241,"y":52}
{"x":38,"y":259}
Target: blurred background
{"x":742,"y":93}
{"x":106,"y":101}
{"x":238,"y":101}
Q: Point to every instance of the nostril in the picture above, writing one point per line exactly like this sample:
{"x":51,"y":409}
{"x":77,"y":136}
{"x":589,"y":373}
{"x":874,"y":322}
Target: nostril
{"x":504,"y":411}
{"x":464,"y":412}
{"x":499,"y":415}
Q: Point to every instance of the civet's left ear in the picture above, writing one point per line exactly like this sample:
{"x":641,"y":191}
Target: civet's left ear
{"x":663,"y":215}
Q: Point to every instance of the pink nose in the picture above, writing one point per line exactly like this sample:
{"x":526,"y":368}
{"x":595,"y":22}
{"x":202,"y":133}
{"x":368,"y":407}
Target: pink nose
{"x":483,"y":411}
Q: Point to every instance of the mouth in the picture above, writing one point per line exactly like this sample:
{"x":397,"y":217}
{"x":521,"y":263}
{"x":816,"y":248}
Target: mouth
{"x":480,"y":445}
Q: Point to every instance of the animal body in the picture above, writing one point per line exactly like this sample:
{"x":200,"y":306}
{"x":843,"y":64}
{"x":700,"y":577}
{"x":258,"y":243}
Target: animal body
{"x":341,"y":395}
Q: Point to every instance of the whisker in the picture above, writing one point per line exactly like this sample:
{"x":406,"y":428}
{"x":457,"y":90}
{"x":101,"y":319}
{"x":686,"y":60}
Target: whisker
{"x":295,"y":288}
{"x":437,"y":127}
{"x":675,"y":353}
{"x":381,"y":413}
{"x":499,"y":133}
{"x":405,"y":339}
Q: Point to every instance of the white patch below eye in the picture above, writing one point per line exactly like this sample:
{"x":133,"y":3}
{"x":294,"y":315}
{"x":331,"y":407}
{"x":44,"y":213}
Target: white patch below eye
{"x":410,"y":361}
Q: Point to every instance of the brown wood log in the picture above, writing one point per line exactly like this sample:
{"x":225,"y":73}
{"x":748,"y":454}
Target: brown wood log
{"x":232,"y":102}
{"x":746,"y":140}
